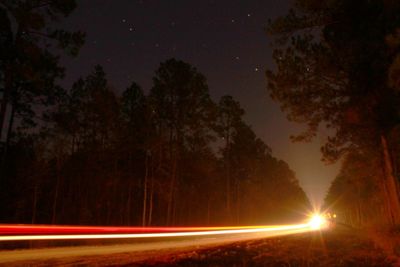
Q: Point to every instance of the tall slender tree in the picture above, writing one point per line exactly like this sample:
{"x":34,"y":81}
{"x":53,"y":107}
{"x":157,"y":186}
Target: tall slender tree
{"x":229,"y":118}
{"x":181,"y":103}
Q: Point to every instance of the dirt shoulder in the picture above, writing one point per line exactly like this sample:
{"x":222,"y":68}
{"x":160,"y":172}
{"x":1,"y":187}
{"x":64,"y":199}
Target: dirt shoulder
{"x":331,"y":248}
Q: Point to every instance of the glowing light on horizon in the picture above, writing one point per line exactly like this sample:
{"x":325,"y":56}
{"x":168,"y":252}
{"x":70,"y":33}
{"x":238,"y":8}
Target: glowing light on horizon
{"x":317,"y":221}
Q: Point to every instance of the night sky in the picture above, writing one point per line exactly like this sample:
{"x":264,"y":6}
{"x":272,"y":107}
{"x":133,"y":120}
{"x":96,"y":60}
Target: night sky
{"x":224,"y":39}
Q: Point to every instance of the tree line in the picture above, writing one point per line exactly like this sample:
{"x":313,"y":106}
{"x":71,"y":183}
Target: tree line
{"x":99,"y":158}
{"x":88,"y":155}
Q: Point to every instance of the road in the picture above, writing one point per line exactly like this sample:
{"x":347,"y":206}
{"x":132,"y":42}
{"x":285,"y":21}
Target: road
{"x":144,"y":245}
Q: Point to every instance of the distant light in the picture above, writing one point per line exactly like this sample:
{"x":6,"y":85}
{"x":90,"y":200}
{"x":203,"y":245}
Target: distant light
{"x":317,"y":221}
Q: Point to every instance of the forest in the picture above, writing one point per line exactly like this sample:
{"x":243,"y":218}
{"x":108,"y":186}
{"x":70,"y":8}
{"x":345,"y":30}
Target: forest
{"x":337,"y":68}
{"x":94,"y":154}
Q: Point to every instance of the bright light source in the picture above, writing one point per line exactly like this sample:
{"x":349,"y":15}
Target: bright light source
{"x":317,"y":221}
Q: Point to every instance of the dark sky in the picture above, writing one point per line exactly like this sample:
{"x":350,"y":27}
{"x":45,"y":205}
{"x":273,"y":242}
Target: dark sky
{"x":224,"y":39}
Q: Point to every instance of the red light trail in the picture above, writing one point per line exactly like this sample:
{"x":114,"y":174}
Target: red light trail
{"x":12,"y":232}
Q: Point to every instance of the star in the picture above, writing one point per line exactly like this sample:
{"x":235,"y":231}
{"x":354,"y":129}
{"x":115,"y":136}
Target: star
{"x":123,"y":20}
{"x":237,"y":58}
{"x":233,"y":21}
{"x":256,"y":69}
{"x":131,"y":29}
{"x":248,"y":15}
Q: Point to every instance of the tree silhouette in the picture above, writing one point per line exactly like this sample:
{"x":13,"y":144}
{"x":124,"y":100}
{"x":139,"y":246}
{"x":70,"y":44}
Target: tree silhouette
{"x":28,"y":65}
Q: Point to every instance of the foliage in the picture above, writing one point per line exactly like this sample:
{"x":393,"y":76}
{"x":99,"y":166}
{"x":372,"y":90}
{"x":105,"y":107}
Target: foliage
{"x":332,"y":68}
{"x":29,"y":65}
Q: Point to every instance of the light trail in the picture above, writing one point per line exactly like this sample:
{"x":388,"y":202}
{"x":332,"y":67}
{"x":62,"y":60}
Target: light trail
{"x":159,"y":240}
{"x":136,"y":251}
{"x":20,"y":229}
{"x":24,"y":233}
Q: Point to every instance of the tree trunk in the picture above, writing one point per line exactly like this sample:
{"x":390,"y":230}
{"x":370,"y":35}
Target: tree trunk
{"x":237,"y":197}
{"x":5,"y":98}
{"x":171,"y":196}
{"x":10,"y":126}
{"x":128,"y":204}
{"x":144,"y":213}
{"x":228,"y":178}
{"x":34,"y":204}
{"x":56,"y":192}
{"x":7,"y":143}
{"x":394,"y":161}
{"x":228,"y":191}
{"x":57,"y":189}
{"x":386,"y":202}
{"x":208,"y":211}
{"x":391,"y":183}
{"x":174,"y":210}
{"x":151,"y":193}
